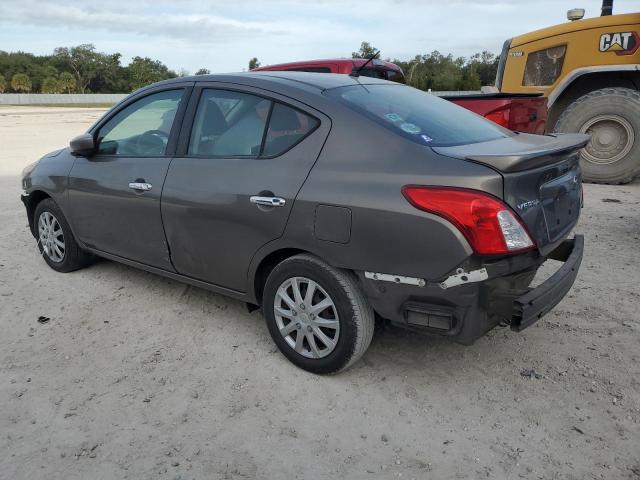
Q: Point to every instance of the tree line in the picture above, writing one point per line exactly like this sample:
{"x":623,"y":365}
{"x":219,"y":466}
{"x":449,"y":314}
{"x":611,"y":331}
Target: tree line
{"x":440,"y":72}
{"x":79,"y":69}
{"x":83,"y":69}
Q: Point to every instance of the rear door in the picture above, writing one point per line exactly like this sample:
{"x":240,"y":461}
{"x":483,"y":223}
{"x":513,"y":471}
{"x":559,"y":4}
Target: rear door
{"x":114,"y":195}
{"x":244,"y":154}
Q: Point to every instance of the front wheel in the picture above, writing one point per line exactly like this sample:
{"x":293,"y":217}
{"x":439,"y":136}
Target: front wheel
{"x":317,"y":315}
{"x":55,"y":239}
{"x":610,"y":116}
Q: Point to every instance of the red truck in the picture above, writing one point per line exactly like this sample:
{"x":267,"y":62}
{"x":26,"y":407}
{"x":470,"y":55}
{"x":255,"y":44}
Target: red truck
{"x":374,"y":68}
{"x":519,"y":112}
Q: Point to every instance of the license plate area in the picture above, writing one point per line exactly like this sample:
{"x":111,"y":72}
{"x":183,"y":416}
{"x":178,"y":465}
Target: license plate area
{"x":561,"y":198}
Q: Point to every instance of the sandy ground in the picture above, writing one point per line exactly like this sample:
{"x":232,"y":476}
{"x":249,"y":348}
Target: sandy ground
{"x":136,"y":376}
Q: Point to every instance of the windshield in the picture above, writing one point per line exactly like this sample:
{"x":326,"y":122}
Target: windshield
{"x":417,"y":115}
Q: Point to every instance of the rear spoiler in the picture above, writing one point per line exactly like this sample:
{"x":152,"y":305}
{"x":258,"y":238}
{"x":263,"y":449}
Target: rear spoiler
{"x":519,"y":152}
{"x":489,"y":96}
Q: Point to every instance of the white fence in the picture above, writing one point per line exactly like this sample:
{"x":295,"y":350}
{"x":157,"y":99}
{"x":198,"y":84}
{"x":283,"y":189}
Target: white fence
{"x":104,"y":98}
{"x":59,"y":98}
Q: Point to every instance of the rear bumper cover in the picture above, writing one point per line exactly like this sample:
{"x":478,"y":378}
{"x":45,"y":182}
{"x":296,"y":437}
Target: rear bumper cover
{"x":533,"y":305}
{"x":466,"y":312}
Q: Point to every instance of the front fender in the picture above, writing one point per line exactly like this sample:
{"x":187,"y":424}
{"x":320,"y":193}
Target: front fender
{"x":49,"y":178}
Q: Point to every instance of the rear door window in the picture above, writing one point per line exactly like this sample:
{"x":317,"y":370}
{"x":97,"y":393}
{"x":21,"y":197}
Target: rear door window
{"x":229,"y":124}
{"x":287,"y":127}
{"x":234,"y":124}
{"x":417,"y":115}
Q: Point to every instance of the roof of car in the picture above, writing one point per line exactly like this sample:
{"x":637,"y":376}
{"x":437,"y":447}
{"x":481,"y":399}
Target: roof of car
{"x":321,"y":81}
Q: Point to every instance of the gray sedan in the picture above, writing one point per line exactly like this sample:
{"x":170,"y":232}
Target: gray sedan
{"x":326,"y":200}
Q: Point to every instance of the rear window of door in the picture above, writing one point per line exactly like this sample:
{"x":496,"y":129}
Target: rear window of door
{"x":237,"y":124}
{"x":229,"y":124}
{"x":142,"y":128}
{"x":287,"y":127}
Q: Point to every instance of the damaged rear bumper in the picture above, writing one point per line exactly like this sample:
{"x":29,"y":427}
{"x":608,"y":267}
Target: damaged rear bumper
{"x":533,"y":305}
{"x":469,"y":308}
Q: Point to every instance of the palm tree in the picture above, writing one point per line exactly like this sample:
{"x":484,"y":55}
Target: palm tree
{"x":21,"y":83}
{"x":66,"y":82}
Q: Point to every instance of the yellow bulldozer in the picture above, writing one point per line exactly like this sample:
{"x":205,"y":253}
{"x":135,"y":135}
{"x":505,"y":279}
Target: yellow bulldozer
{"x":589,"y":70}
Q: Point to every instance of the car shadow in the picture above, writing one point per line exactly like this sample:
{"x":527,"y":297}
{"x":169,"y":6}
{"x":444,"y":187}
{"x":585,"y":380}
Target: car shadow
{"x":393,"y":351}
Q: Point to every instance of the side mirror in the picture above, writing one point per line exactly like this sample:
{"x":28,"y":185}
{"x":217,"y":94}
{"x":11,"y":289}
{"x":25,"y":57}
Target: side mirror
{"x":83,"y":145}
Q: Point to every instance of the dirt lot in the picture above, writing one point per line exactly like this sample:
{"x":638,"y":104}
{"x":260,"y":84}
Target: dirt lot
{"x":136,"y":376}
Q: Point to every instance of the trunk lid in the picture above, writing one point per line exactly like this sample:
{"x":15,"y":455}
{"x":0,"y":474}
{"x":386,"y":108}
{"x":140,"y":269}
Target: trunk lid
{"x":542,"y":179}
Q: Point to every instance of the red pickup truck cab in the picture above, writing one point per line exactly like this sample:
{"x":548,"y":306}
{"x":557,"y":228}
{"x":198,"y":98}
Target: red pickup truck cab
{"x":375,"y":68}
{"x":519,"y":112}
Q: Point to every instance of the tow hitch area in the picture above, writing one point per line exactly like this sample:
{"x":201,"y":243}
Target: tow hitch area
{"x":533,"y":305}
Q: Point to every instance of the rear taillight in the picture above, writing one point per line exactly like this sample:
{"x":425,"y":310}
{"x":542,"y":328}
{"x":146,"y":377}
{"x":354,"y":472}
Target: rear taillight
{"x":488,"y":224}
{"x":500,"y":116}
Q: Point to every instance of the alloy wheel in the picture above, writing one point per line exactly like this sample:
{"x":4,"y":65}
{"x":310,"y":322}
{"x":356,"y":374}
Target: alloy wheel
{"x":51,"y":237}
{"x":307,"y":317}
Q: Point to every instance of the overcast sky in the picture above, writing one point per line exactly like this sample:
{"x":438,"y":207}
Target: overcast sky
{"x":223,"y":35}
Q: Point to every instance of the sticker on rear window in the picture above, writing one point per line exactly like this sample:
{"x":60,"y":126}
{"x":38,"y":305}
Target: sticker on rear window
{"x":410,"y":128}
{"x":394,"y":117}
{"x":426,"y":138}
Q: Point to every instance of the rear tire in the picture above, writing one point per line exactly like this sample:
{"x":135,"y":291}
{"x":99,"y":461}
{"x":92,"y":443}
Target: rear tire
{"x":322,"y":341}
{"x":55,"y":239}
{"x":611,"y":116}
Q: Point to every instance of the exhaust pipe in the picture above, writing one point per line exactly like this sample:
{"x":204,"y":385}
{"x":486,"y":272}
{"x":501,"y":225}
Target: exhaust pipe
{"x":607,"y":8}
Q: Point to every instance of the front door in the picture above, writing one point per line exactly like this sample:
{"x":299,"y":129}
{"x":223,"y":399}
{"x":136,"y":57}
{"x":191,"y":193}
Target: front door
{"x":114,"y":195}
{"x":231,"y":190}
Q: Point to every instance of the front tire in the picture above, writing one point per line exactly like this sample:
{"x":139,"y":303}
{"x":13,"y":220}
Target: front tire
{"x":610,"y":116}
{"x":55,"y":239}
{"x":317,"y":315}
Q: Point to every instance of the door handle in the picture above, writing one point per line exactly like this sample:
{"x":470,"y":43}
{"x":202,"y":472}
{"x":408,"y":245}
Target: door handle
{"x":268,"y":201}
{"x":140,"y":186}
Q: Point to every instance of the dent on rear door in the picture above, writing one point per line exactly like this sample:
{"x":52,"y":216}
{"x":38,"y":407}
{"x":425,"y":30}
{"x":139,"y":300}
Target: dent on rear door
{"x":212,"y":227}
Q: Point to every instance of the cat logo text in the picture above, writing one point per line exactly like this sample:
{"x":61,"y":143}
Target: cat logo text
{"x":623,"y":43}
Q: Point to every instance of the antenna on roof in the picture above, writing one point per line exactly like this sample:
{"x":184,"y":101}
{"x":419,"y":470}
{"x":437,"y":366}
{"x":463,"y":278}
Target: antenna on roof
{"x":356,"y":72}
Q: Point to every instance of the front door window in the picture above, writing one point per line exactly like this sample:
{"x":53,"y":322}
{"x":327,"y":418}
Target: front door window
{"x":143,"y":128}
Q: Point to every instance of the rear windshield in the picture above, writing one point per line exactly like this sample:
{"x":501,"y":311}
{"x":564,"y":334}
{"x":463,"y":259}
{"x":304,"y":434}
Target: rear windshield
{"x":417,"y":115}
{"x":383,"y":73}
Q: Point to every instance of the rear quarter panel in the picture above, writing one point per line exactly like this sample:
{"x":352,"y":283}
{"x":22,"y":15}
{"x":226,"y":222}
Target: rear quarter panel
{"x":387,"y":234}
